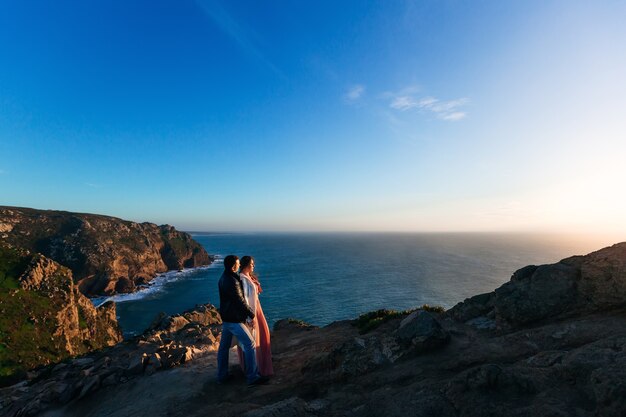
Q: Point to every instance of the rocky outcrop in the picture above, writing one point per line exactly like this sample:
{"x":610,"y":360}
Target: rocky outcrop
{"x":106,"y":255}
{"x":170,"y":342}
{"x":573,"y":286}
{"x":44,"y":317}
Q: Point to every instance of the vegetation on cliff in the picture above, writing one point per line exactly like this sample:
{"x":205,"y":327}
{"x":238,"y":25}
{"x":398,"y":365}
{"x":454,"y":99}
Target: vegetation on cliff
{"x":371,"y":320}
{"x":43,"y":316}
{"x":107,"y":255}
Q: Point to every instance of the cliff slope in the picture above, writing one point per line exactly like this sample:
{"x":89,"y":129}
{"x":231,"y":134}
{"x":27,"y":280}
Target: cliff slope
{"x":106,"y":255}
{"x":43,"y":316}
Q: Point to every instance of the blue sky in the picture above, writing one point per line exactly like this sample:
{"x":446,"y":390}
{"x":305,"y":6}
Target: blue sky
{"x":359,"y":115}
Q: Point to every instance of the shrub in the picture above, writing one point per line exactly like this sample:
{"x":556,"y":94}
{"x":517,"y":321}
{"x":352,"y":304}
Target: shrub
{"x":369,"y":321}
{"x":433,"y":309}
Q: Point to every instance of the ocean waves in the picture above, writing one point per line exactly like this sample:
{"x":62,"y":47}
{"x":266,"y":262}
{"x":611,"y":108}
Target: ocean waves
{"x":160,"y":283}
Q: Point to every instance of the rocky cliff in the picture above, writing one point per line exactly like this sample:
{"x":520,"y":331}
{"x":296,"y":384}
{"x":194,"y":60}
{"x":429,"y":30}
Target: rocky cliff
{"x":551,"y":342}
{"x":106,"y":255}
{"x":170,"y":341}
{"x":569,"y":288}
{"x":44,"y":318}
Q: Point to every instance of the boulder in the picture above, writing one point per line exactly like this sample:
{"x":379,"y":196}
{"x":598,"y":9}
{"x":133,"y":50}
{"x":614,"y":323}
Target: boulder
{"x":176,"y":355}
{"x":422,"y":332}
{"x":471,"y":308}
{"x":602,"y":283}
{"x":537,"y":293}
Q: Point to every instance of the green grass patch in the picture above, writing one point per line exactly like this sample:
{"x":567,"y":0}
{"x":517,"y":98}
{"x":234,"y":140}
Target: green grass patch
{"x":12,"y":264}
{"x":297,"y":322}
{"x":27,"y":326}
{"x":369,"y":321}
{"x":82,"y":321}
{"x":433,"y":309}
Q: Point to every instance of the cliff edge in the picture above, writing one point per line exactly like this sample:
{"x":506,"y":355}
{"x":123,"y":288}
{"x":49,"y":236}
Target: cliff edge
{"x":106,"y":255}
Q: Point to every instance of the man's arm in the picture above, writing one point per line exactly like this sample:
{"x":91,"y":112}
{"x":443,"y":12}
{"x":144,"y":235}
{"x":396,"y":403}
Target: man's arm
{"x":234,"y":291}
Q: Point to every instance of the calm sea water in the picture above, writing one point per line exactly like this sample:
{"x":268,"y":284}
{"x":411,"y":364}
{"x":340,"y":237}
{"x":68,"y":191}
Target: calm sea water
{"x":320,"y":278}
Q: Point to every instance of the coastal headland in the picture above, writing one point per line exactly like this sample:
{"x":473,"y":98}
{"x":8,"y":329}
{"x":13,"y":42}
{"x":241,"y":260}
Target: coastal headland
{"x":550,"y":342}
{"x":106,"y":255}
{"x":50,"y":261}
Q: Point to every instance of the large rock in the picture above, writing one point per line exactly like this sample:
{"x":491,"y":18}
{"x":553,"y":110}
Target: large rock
{"x":422,"y":332}
{"x":546,"y":291}
{"x":106,"y":255}
{"x":573,"y":286}
{"x":602,"y":282}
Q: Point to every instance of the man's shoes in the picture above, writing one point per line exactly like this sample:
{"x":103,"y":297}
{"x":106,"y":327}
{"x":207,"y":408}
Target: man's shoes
{"x":225,"y":380}
{"x":259,"y":381}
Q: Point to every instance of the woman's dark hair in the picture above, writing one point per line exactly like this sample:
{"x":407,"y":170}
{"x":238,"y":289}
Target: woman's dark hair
{"x":230,"y":261}
{"x":246,"y":261}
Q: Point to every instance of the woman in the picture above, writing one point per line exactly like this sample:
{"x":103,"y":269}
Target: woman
{"x":260,"y":331}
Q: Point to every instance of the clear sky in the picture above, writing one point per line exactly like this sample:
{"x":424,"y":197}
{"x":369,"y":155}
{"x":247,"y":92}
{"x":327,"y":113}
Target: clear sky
{"x":319,"y":115}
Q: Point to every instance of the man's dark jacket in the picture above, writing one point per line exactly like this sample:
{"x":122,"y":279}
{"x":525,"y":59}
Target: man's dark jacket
{"x":233,"y":306}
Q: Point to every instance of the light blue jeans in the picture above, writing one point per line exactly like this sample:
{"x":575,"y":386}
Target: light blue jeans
{"x":246,"y":343}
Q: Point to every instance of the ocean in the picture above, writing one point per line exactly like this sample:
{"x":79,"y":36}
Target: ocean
{"x":323,"y":277}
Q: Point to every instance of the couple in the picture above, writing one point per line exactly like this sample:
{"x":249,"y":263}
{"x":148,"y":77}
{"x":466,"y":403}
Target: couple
{"x":243,"y":318}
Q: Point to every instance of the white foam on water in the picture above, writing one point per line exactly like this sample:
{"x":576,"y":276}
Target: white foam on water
{"x":157,"y":284}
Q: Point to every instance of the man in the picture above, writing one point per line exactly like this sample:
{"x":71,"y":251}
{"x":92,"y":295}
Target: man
{"x":235,"y":312}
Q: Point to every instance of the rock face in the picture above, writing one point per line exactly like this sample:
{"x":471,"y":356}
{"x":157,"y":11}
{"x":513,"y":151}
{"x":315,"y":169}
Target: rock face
{"x":580,"y":284}
{"x":106,"y":255}
{"x":43,"y":316}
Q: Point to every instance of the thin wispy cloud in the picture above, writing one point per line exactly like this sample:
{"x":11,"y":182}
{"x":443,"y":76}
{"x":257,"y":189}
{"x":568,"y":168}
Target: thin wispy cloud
{"x":92,"y":185}
{"x":355,"y":92}
{"x":2,"y":171}
{"x":406,"y":100}
{"x":246,"y":39}
{"x":457,"y":115}
{"x":409,"y":91}
{"x":403,"y":103}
